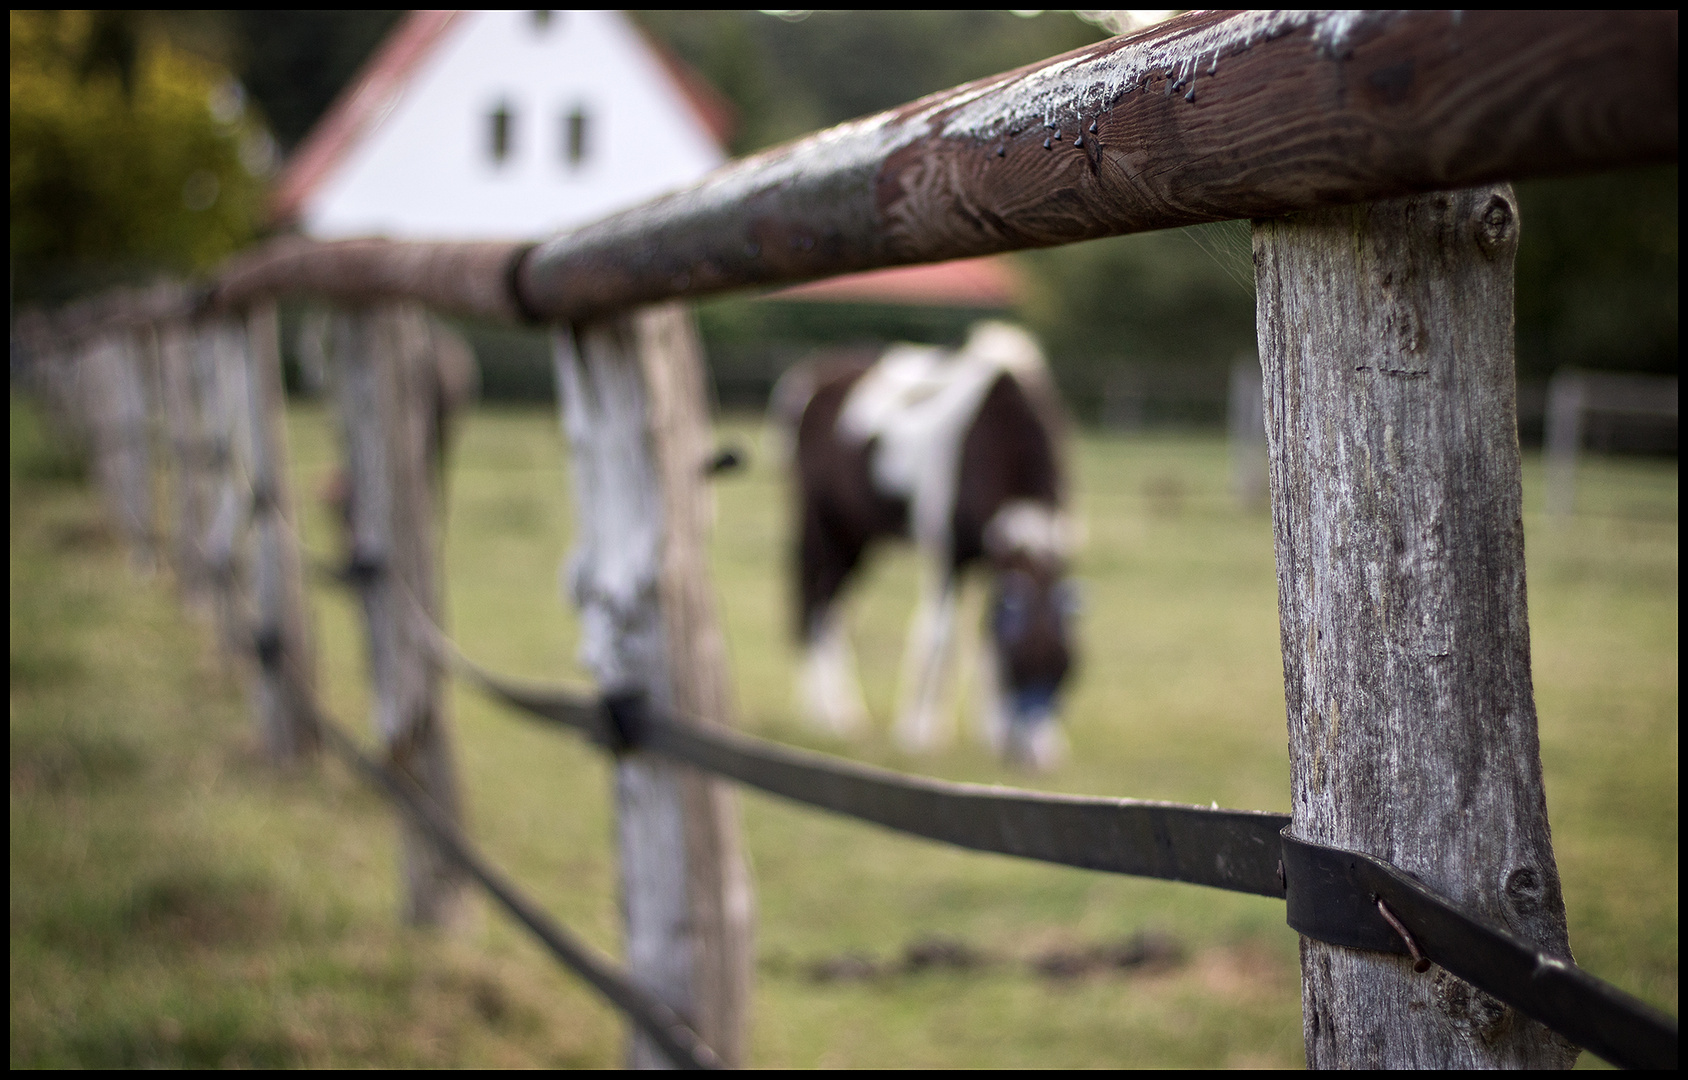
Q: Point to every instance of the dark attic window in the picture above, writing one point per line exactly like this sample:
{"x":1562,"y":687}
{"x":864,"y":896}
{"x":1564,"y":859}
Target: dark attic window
{"x":498,"y":132}
{"x":574,"y":137}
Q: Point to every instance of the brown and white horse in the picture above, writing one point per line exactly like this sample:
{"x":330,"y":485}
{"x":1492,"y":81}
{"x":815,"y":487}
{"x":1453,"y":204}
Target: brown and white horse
{"x":961,"y":453}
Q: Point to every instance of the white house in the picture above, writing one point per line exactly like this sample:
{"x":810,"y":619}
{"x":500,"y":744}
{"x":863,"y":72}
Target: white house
{"x":502,"y":125}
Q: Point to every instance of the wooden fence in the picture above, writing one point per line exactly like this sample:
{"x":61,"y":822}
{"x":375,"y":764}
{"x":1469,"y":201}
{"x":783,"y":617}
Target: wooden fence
{"x":1373,"y":152}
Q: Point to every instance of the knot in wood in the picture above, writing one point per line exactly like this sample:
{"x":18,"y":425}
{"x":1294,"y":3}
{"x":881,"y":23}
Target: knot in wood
{"x":1495,"y":226}
{"x":1524,"y":891}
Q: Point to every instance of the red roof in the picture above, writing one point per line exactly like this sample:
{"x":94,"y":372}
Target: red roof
{"x":358,"y":108}
{"x":988,"y":282}
{"x":364,"y":103}
{"x":713,"y":110}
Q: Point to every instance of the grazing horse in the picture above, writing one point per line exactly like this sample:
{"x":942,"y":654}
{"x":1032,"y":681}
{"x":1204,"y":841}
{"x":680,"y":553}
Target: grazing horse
{"x":959,"y":452}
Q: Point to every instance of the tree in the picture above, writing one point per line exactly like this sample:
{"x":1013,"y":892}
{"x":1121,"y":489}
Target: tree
{"x":1597,"y":273}
{"x":128,"y":156}
{"x":295,"y":63}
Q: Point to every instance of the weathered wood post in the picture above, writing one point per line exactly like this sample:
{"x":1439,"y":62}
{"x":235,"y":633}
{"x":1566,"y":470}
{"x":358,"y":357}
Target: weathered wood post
{"x":118,"y":412}
{"x":188,"y":465}
{"x":286,"y":673}
{"x":221,"y":376}
{"x":1386,"y":336}
{"x":384,"y":379}
{"x":50,"y":364}
{"x":632,"y":398}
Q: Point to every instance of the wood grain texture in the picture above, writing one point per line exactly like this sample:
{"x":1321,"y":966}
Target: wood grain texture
{"x":1386,"y":341}
{"x":384,"y":384}
{"x":1209,"y":116}
{"x":631,"y":393}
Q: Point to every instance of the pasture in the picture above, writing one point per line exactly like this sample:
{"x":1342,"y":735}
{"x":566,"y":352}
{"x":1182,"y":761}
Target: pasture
{"x":173,"y":902}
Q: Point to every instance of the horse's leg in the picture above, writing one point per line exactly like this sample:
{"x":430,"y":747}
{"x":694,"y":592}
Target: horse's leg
{"x":921,"y":712}
{"x":991,"y":707}
{"x":828,"y":690}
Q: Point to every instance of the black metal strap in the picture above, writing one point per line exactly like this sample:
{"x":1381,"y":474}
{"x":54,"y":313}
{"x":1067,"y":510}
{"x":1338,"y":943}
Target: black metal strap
{"x":672,"y":1035}
{"x":268,"y":644}
{"x":1333,"y":896}
{"x":1227,"y":849}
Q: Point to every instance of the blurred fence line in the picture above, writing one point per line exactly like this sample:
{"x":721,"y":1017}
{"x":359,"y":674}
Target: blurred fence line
{"x":1369,"y":147}
{"x":1576,"y":400}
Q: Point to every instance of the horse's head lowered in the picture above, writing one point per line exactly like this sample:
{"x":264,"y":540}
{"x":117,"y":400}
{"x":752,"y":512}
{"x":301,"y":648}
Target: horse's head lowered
{"x":1031,"y":619}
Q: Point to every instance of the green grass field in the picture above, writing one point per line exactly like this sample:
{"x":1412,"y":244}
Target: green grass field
{"x":173,"y":902}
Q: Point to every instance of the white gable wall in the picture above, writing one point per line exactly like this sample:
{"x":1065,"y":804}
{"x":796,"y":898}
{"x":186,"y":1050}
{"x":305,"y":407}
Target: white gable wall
{"x":425,"y":170}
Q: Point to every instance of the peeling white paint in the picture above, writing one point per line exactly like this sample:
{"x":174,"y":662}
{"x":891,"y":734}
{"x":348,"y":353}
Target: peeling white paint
{"x":1076,"y":89}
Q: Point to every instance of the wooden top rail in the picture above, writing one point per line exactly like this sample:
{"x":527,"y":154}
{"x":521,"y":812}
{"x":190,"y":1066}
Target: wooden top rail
{"x":1210,"y":116}
{"x":466,"y":278}
{"x":1206,"y":117}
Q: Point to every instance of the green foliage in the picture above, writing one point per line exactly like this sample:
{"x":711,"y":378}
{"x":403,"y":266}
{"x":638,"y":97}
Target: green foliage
{"x":295,"y":63}
{"x":126,"y":154}
{"x":1597,"y":269}
{"x":1183,"y":298}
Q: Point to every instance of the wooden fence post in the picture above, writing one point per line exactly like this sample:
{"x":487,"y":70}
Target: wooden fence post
{"x":1386,"y":335}
{"x":116,"y":395}
{"x":221,"y":377}
{"x":632,"y":398}
{"x":286,"y":675}
{"x":385,"y":381}
{"x":189,"y":471}
{"x":51,"y":363}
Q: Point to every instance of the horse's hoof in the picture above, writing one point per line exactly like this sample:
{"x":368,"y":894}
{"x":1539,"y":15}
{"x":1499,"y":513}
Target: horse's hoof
{"x":1043,"y":749}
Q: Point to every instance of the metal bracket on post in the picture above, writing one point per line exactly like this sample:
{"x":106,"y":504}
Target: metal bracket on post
{"x":626,"y":721}
{"x":1340,"y":898}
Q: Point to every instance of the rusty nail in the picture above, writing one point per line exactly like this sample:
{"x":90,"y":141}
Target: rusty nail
{"x":1421,"y":963}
